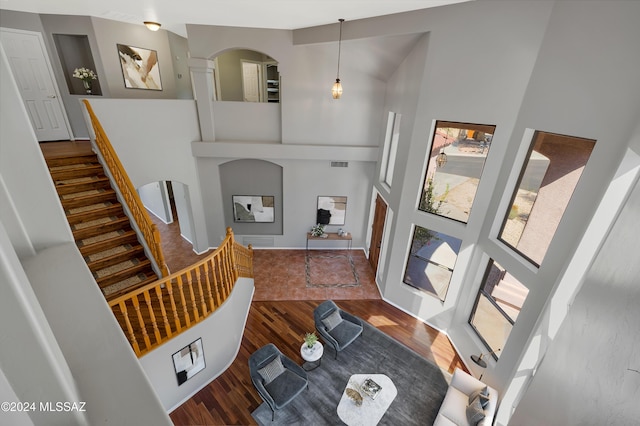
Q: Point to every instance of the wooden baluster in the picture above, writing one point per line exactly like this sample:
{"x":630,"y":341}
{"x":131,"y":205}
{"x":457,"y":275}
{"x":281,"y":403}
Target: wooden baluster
{"x":203,"y":303}
{"x":185,"y":308}
{"x":216,"y":282}
{"x":232,"y":255}
{"x":228,"y":268}
{"x":143,"y":328}
{"x":165,"y":318}
{"x":152,"y":315}
{"x":132,"y":335}
{"x":219,"y":269}
{"x":212,"y":303}
{"x":194,"y":304}
{"x":174,"y":309}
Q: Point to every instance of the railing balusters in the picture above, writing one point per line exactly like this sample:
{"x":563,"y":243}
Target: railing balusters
{"x":192,"y":296}
{"x":203,"y":304}
{"x":220,"y":269}
{"x":143,"y":328}
{"x":165,"y":318}
{"x":212,"y":302}
{"x":174,"y":309}
{"x":152,"y":316}
{"x":132,"y":335}
{"x":183,"y":301}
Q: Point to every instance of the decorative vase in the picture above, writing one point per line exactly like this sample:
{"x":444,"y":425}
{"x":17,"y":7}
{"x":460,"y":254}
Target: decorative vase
{"x":87,"y":86}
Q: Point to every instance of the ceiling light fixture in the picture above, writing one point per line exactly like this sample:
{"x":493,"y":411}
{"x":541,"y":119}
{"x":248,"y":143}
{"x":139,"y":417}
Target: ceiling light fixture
{"x":441,"y":159}
{"x":336,"y":90}
{"x":153,"y":26}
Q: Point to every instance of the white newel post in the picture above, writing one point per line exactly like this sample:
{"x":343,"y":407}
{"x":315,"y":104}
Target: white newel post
{"x":202,"y":75}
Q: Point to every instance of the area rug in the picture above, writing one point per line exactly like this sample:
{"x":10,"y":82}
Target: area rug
{"x":331,"y":270}
{"x":421,"y":384}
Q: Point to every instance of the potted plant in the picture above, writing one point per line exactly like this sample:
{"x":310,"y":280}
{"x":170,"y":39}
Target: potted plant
{"x":317,"y":230}
{"x":310,"y":339}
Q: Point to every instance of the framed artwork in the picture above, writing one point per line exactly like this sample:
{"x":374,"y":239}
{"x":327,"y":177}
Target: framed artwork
{"x":188,"y":361}
{"x":331,"y":210}
{"x":140,"y":68}
{"x":253,"y":208}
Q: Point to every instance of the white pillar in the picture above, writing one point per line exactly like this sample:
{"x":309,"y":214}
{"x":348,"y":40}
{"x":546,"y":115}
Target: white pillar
{"x":202,"y":75}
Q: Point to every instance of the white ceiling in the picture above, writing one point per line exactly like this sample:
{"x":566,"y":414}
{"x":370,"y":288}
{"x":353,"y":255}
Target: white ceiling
{"x":174,"y":14}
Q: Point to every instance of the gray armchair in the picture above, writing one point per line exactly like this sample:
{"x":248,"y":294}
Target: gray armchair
{"x":277,"y":378}
{"x":337,"y":327}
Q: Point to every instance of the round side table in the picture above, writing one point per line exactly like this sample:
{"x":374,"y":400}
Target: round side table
{"x":312,"y":356}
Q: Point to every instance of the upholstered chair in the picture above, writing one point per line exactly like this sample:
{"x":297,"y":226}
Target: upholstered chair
{"x":277,"y":378}
{"x":337,"y":327}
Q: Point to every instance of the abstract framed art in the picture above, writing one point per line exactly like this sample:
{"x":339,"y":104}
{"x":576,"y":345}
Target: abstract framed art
{"x":253,"y":208}
{"x":188,"y":361}
{"x":140,"y":68}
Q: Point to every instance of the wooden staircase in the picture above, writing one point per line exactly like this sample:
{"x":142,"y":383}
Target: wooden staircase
{"x":100,"y":227}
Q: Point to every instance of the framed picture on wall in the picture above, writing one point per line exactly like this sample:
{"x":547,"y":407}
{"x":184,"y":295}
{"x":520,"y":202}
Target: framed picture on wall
{"x":253,"y":208}
{"x":331,"y":210}
{"x":188,"y":361}
{"x":140,"y":68}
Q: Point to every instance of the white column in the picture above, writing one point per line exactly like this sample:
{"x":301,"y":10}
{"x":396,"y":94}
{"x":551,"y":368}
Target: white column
{"x":202,"y":76}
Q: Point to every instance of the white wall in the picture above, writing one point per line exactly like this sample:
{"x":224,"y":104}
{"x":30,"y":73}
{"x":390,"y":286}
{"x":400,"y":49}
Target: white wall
{"x":221,"y":335}
{"x":590,"y":374}
{"x":29,"y":175}
{"x":153,"y":140}
{"x":155,"y":198}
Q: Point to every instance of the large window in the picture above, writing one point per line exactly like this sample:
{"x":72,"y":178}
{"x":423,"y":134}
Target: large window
{"x":551,"y":173}
{"x":456,"y":161}
{"x":431,"y":260}
{"x":390,"y":147}
{"x":497,"y":307}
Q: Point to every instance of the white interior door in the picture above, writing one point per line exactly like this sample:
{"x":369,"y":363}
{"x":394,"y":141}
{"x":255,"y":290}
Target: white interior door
{"x":33,"y":74}
{"x":251,"y":81}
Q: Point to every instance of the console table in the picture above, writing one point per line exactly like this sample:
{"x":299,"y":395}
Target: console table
{"x":331,"y":236}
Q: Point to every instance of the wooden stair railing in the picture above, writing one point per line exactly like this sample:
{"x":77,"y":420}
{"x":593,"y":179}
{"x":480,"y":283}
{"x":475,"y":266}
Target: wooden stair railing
{"x":153,"y":314}
{"x":129,"y":194}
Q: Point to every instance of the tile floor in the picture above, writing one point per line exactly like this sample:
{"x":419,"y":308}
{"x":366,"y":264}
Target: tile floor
{"x":281,"y":274}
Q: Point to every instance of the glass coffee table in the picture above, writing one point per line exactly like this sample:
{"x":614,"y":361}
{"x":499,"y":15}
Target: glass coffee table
{"x":373,"y":407}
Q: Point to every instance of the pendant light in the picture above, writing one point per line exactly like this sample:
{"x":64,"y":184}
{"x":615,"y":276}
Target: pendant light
{"x":336,"y":90}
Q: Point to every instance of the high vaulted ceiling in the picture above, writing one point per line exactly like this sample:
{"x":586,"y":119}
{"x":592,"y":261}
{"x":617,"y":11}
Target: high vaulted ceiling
{"x":174,"y":14}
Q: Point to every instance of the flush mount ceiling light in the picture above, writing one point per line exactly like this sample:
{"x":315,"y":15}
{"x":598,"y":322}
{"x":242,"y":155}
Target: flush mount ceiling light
{"x":153,"y":26}
{"x":336,"y":90}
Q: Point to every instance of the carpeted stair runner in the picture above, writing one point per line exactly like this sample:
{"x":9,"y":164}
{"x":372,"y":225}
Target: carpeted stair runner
{"x":100,"y":227}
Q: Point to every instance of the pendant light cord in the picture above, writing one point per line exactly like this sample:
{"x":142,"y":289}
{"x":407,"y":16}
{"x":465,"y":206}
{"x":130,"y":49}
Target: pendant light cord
{"x":339,"y":48}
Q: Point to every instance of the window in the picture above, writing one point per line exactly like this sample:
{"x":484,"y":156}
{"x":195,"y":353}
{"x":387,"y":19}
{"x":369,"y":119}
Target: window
{"x":497,"y":307}
{"x":551,"y":173}
{"x":431,"y":261}
{"x":456,"y":161}
{"x":390,"y":147}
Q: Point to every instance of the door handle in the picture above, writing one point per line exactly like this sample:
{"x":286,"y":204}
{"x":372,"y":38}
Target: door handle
{"x":51,"y":96}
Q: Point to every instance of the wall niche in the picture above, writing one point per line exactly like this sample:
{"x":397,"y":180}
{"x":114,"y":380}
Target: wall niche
{"x":74,"y":52}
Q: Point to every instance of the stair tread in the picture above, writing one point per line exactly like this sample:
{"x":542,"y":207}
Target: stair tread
{"x":98,"y":212}
{"x":142,"y":268}
{"x":117,"y":256}
{"x":101,"y":227}
{"x":128,"y":289}
{"x":106,"y":243}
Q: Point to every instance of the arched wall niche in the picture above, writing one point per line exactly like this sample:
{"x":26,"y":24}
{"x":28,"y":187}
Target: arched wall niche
{"x":251,"y":178}
{"x":246,"y":75}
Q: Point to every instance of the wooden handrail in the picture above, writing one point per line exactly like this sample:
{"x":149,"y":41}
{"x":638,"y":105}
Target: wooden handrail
{"x":153,"y":314}
{"x":140,"y":215}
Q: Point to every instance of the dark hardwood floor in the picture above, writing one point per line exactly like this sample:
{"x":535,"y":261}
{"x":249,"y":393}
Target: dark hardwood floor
{"x":231,"y":397}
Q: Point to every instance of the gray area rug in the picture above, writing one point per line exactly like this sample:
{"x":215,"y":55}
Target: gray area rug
{"x":421,"y":384}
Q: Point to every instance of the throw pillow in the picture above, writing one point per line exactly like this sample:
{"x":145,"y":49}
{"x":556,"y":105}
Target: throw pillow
{"x":332,"y":320}
{"x":272,"y":370}
{"x":475,"y":414}
{"x":483,"y":395}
